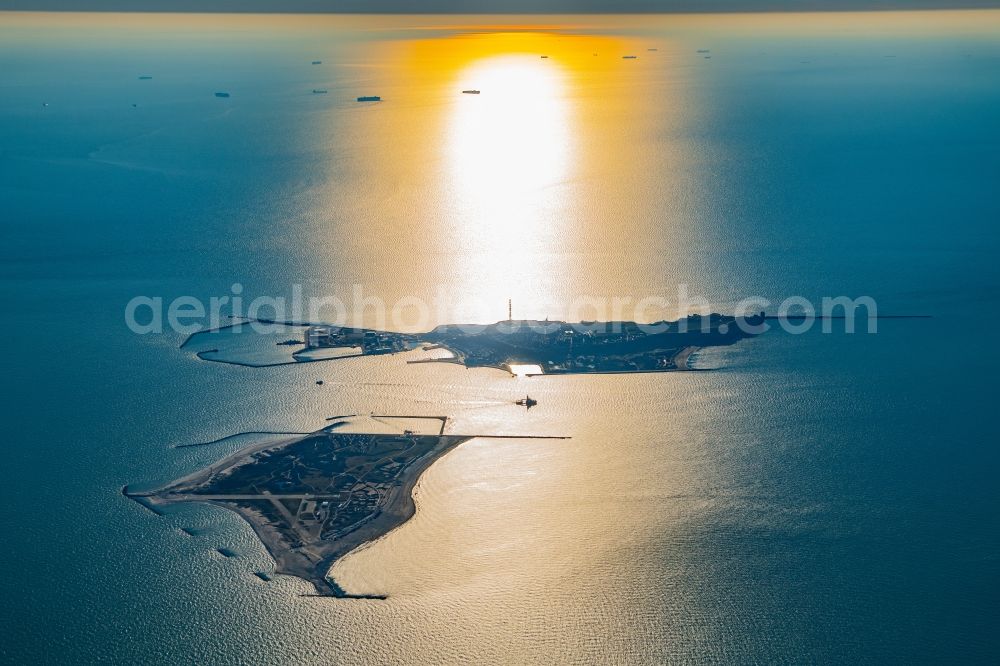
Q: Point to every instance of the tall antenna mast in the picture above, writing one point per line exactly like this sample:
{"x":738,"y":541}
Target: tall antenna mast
{"x":510,"y":309}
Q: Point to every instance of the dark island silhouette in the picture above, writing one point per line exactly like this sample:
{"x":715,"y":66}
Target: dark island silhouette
{"x":313,"y":498}
{"x":527,"y":347}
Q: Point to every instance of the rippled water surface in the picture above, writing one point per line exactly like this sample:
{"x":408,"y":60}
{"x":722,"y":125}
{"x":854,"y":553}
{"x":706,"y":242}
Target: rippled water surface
{"x":815,"y":498}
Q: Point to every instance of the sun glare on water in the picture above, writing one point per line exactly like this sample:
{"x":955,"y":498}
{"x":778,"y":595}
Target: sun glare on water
{"x":509,"y":153}
{"x":509,"y":143}
{"x":495,"y":143}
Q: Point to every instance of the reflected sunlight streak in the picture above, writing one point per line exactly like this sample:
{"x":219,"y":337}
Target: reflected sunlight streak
{"x":509,"y":143}
{"x":508,"y":149}
{"x":499,"y":173}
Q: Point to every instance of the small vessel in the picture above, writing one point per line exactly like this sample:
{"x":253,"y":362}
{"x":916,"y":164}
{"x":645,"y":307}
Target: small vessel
{"x":145,"y":78}
{"x":319,"y":382}
{"x":470,"y":92}
{"x":369,"y":98}
{"x":652,"y":49}
{"x":629,"y":57}
{"x":318,"y":91}
{"x":317,"y":62}
{"x":222,"y":94}
{"x":527,"y":402}
{"x":545,"y":56}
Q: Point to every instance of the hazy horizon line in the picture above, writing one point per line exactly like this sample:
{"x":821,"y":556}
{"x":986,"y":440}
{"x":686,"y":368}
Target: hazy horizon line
{"x":455,"y":7}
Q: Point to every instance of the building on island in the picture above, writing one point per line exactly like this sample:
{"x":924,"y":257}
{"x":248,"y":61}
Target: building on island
{"x":317,"y":336}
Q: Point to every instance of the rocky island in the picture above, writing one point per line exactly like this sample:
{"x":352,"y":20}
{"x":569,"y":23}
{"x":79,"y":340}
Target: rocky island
{"x":551,"y":347}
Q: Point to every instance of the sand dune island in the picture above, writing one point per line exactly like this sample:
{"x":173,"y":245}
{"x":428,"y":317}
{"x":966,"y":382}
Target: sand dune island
{"x":312,"y":499}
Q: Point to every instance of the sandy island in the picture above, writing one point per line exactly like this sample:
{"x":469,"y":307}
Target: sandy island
{"x":313,"y":499}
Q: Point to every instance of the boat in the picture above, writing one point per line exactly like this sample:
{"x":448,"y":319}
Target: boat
{"x":318,"y":91}
{"x":470,"y":92}
{"x":629,"y":57}
{"x":319,"y":382}
{"x":545,"y":56}
{"x":222,"y":94}
{"x":145,"y":78}
{"x":317,"y":62}
{"x":527,"y":401}
{"x":369,"y":98}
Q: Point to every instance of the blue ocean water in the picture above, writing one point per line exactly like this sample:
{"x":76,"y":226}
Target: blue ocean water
{"x":818,"y":498}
